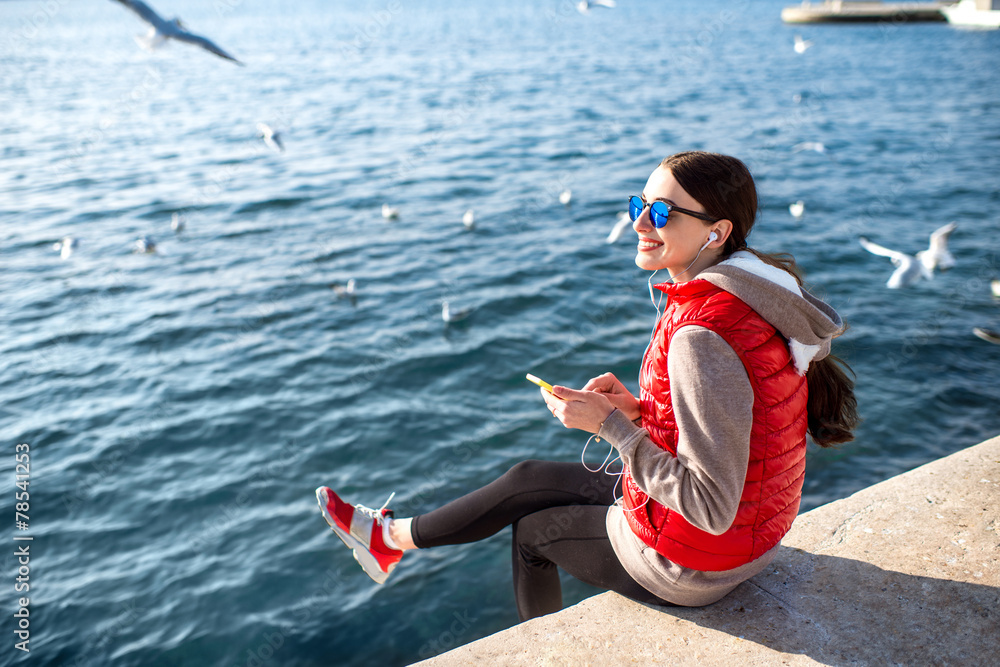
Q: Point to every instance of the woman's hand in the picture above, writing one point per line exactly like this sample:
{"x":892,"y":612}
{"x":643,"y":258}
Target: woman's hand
{"x":615,"y":392}
{"x":585,"y":410}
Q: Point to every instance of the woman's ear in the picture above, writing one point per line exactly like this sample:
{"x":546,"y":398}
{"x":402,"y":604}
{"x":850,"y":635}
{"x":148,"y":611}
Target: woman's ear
{"x":723,"y":228}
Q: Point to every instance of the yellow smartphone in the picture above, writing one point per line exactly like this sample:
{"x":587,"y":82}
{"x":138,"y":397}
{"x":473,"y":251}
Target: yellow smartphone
{"x":540,"y":382}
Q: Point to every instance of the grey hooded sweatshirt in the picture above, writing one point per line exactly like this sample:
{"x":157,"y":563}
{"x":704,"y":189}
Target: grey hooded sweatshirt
{"x":713,"y":407}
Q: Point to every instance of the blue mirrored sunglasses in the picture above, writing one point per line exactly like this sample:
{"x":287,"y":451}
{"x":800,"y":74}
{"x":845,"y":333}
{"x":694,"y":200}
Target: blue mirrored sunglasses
{"x":659,"y":211}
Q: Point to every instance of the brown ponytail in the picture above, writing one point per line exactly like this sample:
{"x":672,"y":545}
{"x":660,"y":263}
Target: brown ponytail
{"x":725,"y":188}
{"x":832,"y":407}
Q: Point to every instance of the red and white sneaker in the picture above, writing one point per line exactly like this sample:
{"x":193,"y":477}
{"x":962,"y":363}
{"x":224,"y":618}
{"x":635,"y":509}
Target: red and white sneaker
{"x":360,"y":528}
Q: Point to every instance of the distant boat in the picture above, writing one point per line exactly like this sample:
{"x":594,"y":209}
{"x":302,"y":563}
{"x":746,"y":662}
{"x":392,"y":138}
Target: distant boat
{"x":838,"y":11}
{"x":974,"y":13}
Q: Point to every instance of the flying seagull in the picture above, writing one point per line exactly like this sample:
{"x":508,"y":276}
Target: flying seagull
{"x":622,"y":222}
{"x":802,"y":44}
{"x":160,"y":30}
{"x":908,"y":269}
{"x":389,"y":212}
{"x":271,"y":137}
{"x":937,"y":256}
{"x":817,"y":146}
{"x":797,"y":209}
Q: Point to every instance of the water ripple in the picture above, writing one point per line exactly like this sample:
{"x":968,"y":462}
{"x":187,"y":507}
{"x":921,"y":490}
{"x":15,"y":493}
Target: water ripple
{"x":182,"y":407}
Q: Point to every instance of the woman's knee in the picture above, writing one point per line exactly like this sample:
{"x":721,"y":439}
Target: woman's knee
{"x":531,"y":472}
{"x":529,"y":540}
{"x":570,"y":478}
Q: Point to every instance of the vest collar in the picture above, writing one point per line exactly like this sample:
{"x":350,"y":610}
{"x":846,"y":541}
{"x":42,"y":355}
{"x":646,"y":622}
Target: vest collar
{"x":687,"y":290}
{"x":678,"y":293}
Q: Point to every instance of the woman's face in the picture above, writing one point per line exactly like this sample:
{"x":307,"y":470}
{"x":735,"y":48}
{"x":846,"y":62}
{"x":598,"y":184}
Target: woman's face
{"x":675,"y":245}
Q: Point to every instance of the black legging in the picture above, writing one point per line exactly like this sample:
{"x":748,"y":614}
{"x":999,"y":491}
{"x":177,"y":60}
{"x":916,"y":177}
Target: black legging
{"x":558,"y":511}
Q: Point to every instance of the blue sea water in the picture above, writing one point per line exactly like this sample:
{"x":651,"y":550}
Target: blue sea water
{"x":181,"y":407}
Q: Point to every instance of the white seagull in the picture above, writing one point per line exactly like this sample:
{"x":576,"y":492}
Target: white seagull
{"x":346,"y":290}
{"x":817,"y":146}
{"x":801,"y":44}
{"x":622,"y":222}
{"x":469,"y":219}
{"x":389,"y":213}
{"x":566,"y":196}
{"x":145,"y":245}
{"x":160,"y":30}
{"x":449,"y":315}
{"x":66,"y":246}
{"x":995,"y":288}
{"x":271,"y":137}
{"x":797,"y":209}
{"x":937,"y":256}
{"x":908,"y":269}
{"x":177,"y":223}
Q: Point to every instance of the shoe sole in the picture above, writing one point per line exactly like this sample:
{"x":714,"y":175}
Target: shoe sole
{"x":361,"y":553}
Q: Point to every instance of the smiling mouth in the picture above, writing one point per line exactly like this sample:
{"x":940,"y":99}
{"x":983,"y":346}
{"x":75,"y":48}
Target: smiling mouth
{"x":646,"y":244}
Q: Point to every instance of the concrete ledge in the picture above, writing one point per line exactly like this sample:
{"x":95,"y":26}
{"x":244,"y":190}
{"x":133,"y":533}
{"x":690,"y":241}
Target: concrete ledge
{"x":903,"y":572}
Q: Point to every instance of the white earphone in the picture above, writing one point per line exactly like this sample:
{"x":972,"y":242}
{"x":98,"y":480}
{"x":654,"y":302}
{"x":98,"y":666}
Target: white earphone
{"x":711,"y":237}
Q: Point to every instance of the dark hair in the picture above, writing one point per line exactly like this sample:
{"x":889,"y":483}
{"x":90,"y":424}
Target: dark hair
{"x":725,"y":188}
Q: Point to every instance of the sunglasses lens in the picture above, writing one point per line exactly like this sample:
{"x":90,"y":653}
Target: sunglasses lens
{"x":658,"y":214}
{"x":635,"y":208}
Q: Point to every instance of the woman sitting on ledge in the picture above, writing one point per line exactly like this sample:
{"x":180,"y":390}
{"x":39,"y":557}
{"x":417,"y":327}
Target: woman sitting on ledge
{"x":736,"y":373}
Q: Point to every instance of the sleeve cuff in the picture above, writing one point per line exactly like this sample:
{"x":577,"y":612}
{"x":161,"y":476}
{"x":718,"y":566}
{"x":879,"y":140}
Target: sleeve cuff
{"x":621,"y":431}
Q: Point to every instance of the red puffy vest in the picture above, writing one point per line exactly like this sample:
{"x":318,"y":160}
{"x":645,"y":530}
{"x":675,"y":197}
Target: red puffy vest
{"x":776,"y":469}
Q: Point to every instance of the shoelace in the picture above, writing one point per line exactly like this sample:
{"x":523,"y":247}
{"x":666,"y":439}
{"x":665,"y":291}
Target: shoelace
{"x":376,"y":514}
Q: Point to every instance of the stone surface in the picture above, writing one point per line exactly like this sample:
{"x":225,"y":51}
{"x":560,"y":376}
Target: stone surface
{"x":905,"y":572}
